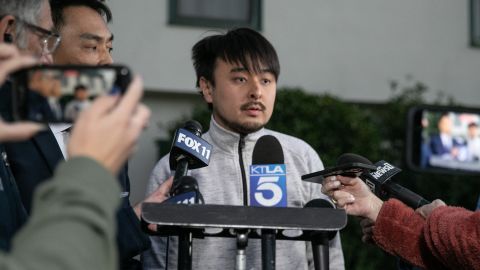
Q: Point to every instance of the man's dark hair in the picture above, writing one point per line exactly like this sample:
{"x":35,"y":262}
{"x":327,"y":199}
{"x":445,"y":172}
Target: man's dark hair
{"x":80,"y":87}
{"x":242,"y":45}
{"x":443,"y":115}
{"x":58,"y":6}
{"x":472,"y":124}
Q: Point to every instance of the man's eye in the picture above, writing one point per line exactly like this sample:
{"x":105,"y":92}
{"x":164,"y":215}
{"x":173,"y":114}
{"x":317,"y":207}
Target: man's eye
{"x":266,"y":81}
{"x":240,"y":79}
{"x":91,"y":48}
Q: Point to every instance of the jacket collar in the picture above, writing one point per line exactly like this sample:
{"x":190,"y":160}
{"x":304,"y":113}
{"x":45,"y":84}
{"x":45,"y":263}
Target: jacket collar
{"x":48,"y":147}
{"x":228,"y":141}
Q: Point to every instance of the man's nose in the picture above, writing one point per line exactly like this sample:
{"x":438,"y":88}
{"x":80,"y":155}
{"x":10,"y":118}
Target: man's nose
{"x":106,"y":58}
{"x":255,"y":89}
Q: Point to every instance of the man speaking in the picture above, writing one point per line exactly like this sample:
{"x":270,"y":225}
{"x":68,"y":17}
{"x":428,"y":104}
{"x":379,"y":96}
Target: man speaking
{"x":237,"y":75}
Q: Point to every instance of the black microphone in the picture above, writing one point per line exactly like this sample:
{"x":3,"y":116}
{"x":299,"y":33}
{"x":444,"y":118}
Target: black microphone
{"x":267,"y":150}
{"x":268,"y":188}
{"x":379,"y":181}
{"x":320,"y":246}
{"x":189,"y":151}
{"x":322,"y":203}
{"x":268,"y":174}
{"x":352,"y":158}
{"x":187,"y":192}
{"x":351,"y":165}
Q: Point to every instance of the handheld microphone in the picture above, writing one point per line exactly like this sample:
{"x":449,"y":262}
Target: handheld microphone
{"x":189,"y":151}
{"x":321,"y":257}
{"x":379,"y":182}
{"x":351,"y":165}
{"x":268,"y":179}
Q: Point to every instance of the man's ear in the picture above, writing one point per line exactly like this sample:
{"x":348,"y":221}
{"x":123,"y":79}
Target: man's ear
{"x":7,"y":29}
{"x":206,"y":87}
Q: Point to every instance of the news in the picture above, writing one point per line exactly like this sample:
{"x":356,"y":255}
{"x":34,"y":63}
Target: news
{"x":444,"y":139}
{"x":268,"y":185}
{"x":193,"y":145}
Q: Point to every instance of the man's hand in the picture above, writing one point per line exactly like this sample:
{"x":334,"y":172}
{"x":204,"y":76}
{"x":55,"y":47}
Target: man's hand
{"x":158,"y":196}
{"x":11,"y":60}
{"x":427,"y":209}
{"x":10,"y":132}
{"x":329,"y":185}
{"x":353,"y":195}
{"x":108,"y":130}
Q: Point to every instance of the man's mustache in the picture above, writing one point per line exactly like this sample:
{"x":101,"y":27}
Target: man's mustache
{"x":249,"y":105}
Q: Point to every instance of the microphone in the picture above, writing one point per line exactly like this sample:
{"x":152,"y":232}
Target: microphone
{"x":351,"y":165}
{"x":379,"y":181}
{"x":352,"y":158}
{"x":322,"y":203}
{"x":320,"y":240}
{"x":268,"y":188}
{"x":268,"y":179}
{"x":189,"y":151}
{"x":188,"y":192}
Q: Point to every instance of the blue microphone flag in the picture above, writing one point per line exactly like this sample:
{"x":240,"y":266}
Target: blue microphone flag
{"x":268,"y":185}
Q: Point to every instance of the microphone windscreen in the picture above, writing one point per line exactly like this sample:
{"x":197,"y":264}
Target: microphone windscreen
{"x":352,"y":158}
{"x":319,"y":203}
{"x":188,"y":183}
{"x":267,"y":150}
{"x":194,"y":127}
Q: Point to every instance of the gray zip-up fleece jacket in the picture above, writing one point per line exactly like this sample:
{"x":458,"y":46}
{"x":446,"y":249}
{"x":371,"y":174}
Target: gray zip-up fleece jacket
{"x":222,"y":183}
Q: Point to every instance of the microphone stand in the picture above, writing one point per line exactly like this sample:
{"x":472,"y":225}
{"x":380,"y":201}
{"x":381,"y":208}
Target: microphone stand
{"x":268,"y":249}
{"x":320,"y":251}
{"x":185,"y":250}
{"x":241,"y":256}
{"x":248,"y":222}
{"x":185,"y":236}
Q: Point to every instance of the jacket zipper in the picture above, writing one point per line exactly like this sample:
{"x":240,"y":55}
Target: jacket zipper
{"x":241,"y":144}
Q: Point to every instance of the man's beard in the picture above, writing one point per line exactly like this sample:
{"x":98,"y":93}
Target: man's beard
{"x":245,"y":128}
